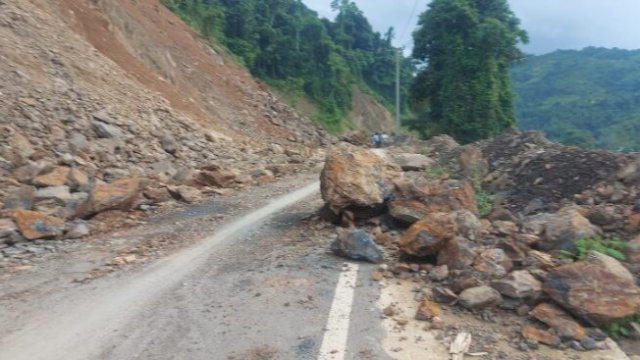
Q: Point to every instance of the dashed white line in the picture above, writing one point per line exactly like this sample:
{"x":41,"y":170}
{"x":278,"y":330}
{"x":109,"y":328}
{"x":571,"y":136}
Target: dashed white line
{"x":334,"y":342}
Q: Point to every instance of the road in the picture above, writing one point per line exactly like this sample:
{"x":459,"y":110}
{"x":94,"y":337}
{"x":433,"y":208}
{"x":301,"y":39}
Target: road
{"x":259,"y":286}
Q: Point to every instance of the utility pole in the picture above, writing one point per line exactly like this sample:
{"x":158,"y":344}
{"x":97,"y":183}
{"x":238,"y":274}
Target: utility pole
{"x":398,"y":59}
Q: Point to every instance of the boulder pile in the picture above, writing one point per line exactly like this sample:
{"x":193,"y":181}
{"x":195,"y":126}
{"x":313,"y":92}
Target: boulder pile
{"x":512,"y":224}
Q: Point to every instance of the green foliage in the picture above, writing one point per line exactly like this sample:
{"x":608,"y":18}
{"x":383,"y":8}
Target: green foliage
{"x":484,"y":200}
{"x":613,"y":247}
{"x":288,"y":46}
{"x":589,"y":98}
{"x":437,"y":171}
{"x":464,"y":89}
{"x":622,"y":327}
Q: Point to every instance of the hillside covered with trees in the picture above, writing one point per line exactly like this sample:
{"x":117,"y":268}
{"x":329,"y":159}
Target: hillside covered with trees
{"x":589,"y":98}
{"x":288,"y":46}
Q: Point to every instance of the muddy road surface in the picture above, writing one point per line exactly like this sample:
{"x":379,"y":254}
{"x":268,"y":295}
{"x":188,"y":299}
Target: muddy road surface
{"x":257,"y":284}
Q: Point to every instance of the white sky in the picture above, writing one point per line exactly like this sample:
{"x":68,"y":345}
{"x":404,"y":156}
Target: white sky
{"x":552,"y":24}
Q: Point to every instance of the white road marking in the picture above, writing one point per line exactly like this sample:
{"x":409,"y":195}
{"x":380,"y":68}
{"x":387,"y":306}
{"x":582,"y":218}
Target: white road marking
{"x":76,"y":330}
{"x":334,"y":343}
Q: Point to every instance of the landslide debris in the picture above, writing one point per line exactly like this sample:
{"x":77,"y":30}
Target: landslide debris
{"x":558,"y":246}
{"x":113,"y":110}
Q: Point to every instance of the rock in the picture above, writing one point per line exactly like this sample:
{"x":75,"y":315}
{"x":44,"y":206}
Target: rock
{"x":472,"y":163}
{"x":169,"y":144}
{"x":536,"y":335}
{"x":217,"y":177}
{"x":106,"y":131}
{"x":519,"y":284}
{"x":505,"y":228}
{"x":413,"y":162}
{"x":262,"y":175}
{"x":493,"y":262}
{"x":119,"y":195}
{"x":565,"y":326}
{"x":602,"y":215}
{"x":78,"y":180}
{"x":633,"y":250}
{"x":35,"y":225}
{"x":439,"y":273}
{"x":468,"y":224}
{"x":78,"y":230}
{"x":60,"y":194}
{"x":408,"y":211}
{"x":216,"y":137}
{"x":79,"y":143}
{"x":480,"y":297}
{"x":567,"y":226}
{"x":630,"y":173}
{"x":185,"y":193}
{"x":7,"y":230}
{"x":22,"y":197}
{"x":157,"y":195}
{"x":57,"y":177}
{"x":357,"y":245}
{"x":26,"y":173}
{"x":444,"y":295}
{"x":21,"y":145}
{"x":592,"y":292}
{"x":354,"y":177}
{"x":428,"y":310}
{"x":610,"y":264}
{"x":428,"y":236}
{"x":457,"y":254}
{"x":276,"y":149}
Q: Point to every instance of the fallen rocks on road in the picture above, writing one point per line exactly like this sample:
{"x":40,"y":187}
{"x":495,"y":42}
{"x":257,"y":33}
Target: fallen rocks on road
{"x":357,"y":245}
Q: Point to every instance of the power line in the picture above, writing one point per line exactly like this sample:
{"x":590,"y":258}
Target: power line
{"x":406,"y":26}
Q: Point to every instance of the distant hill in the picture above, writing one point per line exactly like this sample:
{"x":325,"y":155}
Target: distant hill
{"x":589,"y":98}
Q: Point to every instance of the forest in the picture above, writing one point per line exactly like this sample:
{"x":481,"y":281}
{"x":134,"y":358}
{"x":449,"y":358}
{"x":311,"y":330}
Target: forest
{"x":291,"y":48}
{"x":589,"y":98}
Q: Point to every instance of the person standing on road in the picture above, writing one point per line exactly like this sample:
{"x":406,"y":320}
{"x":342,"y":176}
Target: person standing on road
{"x":376,"y":139}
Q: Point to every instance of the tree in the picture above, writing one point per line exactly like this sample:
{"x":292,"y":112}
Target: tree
{"x":464,"y":89}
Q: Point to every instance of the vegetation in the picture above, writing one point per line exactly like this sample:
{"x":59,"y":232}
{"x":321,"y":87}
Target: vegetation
{"x":464,"y":89}
{"x":288,"y":46}
{"x":589,"y":98}
{"x":623,"y":327}
{"x":613,"y":247}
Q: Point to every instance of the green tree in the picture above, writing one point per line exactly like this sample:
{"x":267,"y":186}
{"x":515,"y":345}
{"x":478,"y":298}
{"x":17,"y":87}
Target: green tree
{"x":464,"y":88}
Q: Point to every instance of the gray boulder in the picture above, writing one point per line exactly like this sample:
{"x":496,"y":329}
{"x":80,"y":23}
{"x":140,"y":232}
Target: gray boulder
{"x":357,"y":245}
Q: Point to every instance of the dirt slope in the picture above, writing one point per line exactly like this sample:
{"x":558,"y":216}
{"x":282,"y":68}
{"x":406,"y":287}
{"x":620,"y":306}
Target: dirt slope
{"x":369,"y":114}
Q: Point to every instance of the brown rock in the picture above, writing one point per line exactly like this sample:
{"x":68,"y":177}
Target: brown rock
{"x":480,"y":297}
{"x":26,"y":173}
{"x":465,"y":281}
{"x":428,"y":310}
{"x":119,"y":195}
{"x":457,"y":254}
{"x":634,"y":221}
{"x":633,"y":250}
{"x":34,"y":225}
{"x":185,"y":193}
{"x":413,"y":162}
{"x":157,"y":194}
{"x":567,"y":226}
{"x":610,"y":264}
{"x":444,"y":295}
{"x":22,"y":197}
{"x":355,"y":177}
{"x":78,"y":180}
{"x":60,"y":194}
{"x":57,"y":177}
{"x":408,"y":211}
{"x":565,"y":326}
{"x":7,"y":229}
{"x":428,"y":236}
{"x":592,"y":292}
{"x":493,"y":262}
{"x":219,"y":178}
{"x":519,"y":284}
{"x":537,"y":335}
{"x":505,"y":227}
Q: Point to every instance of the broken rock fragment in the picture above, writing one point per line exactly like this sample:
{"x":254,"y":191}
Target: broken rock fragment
{"x":35,"y":225}
{"x":357,"y":245}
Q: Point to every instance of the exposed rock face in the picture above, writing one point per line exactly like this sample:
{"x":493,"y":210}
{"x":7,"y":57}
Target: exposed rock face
{"x":480,"y":297}
{"x":357,"y":245}
{"x":592,"y":292}
{"x":35,"y":225}
{"x":519,"y":284}
{"x":560,"y":321}
{"x":428,"y":236}
{"x":567,"y":226}
{"x":354,"y":177}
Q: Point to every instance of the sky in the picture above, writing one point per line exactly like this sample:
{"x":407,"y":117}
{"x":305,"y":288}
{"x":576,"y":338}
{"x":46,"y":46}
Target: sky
{"x":551,"y":24}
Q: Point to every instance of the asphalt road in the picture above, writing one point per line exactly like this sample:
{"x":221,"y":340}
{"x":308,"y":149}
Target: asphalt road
{"x":260,"y":286}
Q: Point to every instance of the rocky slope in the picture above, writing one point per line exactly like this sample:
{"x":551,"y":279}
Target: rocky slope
{"x":515,"y":224}
{"x":117,"y":105}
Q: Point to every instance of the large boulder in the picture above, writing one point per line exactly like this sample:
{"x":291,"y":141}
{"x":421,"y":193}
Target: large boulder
{"x":357,"y":245}
{"x":36,"y":225}
{"x":593,"y":292}
{"x":429,"y":235}
{"x":119,"y":195}
{"x":567,"y":226}
{"x":357,"y":178}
